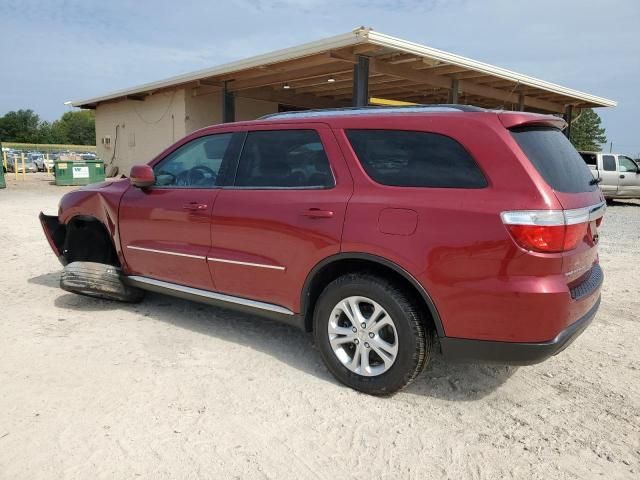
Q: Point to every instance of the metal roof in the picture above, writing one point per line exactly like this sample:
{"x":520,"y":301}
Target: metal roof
{"x":399,"y":69}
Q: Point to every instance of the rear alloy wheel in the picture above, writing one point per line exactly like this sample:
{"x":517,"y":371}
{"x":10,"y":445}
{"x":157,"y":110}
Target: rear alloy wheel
{"x":371,"y":334}
{"x":363,"y":336}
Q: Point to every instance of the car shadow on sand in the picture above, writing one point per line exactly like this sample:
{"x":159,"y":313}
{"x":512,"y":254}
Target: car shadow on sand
{"x":442,"y":380}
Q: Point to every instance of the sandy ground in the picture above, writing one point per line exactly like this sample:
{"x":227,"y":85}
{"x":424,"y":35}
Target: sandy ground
{"x":173,"y":389}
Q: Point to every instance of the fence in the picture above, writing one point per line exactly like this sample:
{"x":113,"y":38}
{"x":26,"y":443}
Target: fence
{"x":49,"y":148}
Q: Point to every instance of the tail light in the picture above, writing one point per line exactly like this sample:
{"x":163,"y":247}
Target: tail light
{"x":551,"y":231}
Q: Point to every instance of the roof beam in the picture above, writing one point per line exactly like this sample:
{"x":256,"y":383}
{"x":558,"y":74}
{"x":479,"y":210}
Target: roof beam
{"x":333,"y":68}
{"x":289,"y":98}
{"x":420,"y":76}
{"x":273,"y":68}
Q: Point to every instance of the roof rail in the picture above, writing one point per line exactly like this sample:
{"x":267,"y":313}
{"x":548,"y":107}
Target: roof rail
{"x":324,"y":112}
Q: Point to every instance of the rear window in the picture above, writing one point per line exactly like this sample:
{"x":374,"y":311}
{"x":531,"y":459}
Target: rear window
{"x":590,"y":159}
{"x":415,"y":159}
{"x":556,"y":160}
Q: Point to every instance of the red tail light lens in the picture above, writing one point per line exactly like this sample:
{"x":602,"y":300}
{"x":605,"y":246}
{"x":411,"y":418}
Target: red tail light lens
{"x":548,"y":239}
{"x":574,"y":234}
{"x":538,"y":238}
{"x":550,"y":231}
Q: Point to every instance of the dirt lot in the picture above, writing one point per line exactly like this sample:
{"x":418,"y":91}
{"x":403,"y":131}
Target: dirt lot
{"x":173,"y":389}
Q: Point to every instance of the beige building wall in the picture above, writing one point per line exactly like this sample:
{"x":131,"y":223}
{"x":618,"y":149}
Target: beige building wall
{"x":250,"y":109}
{"x":139,"y":130}
{"x":203,"y":109}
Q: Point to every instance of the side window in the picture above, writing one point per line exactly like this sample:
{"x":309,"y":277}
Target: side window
{"x":590,"y":159}
{"x":195,"y":164}
{"x":609,"y":163}
{"x":626,"y":164}
{"x":284,"y":159}
{"x":415,"y":159}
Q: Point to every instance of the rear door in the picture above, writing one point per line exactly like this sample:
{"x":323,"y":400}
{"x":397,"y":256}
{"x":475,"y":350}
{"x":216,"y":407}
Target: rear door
{"x":165,"y":229}
{"x":609,"y":172}
{"x":629,"y":177}
{"x":283,"y":214}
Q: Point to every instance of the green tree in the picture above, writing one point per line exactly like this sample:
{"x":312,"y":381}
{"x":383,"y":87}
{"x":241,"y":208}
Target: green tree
{"x":20,"y":126}
{"x":586,"y":132}
{"x":78,"y":128}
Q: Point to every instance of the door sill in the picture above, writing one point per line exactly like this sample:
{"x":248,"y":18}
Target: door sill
{"x":205,"y":296}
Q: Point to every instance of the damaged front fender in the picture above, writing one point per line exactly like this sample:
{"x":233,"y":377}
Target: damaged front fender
{"x":55,"y":232}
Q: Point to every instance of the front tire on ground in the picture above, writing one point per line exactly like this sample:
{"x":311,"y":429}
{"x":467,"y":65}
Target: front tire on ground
{"x":98,"y":280}
{"x":371,"y":333}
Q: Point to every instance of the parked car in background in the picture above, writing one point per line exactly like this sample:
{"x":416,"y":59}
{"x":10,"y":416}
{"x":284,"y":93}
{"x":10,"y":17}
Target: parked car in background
{"x":38,"y":159}
{"x":376,"y":229}
{"x":15,"y":164}
{"x":618,"y":175}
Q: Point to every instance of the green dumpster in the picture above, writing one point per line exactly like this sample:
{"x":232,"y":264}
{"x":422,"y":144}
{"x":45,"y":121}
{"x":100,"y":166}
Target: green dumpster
{"x":79,"y":172}
{"x":2,"y":183}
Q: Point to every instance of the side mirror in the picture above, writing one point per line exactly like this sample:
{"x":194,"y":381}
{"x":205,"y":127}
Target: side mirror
{"x":142,"y":176}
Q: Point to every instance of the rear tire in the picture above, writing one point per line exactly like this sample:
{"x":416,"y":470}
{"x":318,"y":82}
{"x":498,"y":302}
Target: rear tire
{"x":371,"y":333}
{"x":98,"y":280}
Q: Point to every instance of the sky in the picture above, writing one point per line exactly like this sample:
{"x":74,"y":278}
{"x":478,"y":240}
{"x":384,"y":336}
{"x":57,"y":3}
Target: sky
{"x":54,"y":51}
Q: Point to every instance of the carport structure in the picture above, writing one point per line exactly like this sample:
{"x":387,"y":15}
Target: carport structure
{"x":354,"y":69}
{"x":349,"y":69}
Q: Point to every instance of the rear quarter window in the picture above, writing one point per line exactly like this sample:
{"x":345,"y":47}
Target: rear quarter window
{"x":415,"y":159}
{"x":552,"y":154}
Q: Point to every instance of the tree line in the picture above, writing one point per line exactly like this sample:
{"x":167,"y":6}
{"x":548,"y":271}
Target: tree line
{"x":25,"y":126}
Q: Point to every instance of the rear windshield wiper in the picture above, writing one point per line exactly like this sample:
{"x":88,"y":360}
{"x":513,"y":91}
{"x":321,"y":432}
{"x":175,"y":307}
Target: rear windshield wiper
{"x":595,"y":181}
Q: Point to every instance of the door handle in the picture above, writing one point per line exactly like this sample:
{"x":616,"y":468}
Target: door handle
{"x":621,"y":176}
{"x":318,"y":213}
{"x":194,"y":206}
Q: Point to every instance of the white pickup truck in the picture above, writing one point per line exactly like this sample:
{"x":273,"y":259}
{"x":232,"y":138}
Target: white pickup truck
{"x":619,"y":175}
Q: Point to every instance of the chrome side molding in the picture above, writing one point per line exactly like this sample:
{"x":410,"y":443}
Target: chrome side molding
{"x":183,"y":291}
{"x":246,"y":264}
{"x":166,"y":252}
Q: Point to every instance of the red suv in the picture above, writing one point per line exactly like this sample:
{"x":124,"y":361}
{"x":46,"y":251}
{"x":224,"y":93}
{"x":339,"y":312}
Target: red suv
{"x":379,"y":230}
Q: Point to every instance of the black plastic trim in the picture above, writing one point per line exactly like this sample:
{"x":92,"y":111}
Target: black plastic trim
{"x":589,"y":285}
{"x":381,"y":109}
{"x":514,"y":353}
{"x":304,"y":301}
{"x":293,"y":320}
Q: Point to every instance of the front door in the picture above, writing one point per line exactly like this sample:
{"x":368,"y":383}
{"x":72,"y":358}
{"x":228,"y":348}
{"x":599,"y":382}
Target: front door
{"x":165,"y":229}
{"x":629,"y":178}
{"x":283,"y":214}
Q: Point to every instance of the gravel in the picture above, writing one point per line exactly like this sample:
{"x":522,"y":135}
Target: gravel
{"x":174,"y":389}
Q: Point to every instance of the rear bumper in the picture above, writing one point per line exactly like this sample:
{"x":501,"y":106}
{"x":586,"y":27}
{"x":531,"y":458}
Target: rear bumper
{"x":514,"y":353}
{"x":55,"y":233}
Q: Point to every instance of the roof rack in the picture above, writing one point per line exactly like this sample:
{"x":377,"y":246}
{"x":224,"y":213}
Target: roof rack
{"x":324,"y":112}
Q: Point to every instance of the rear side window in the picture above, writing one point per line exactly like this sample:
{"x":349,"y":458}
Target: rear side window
{"x":284,"y":159}
{"x":609,"y":163}
{"x":556,"y":160}
{"x":590,"y":159}
{"x":415,"y":159}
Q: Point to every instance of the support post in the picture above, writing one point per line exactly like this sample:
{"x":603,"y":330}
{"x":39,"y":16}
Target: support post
{"x":521,"y":102}
{"x":453,"y":93}
{"x":24,"y":168}
{"x":228,"y":105}
{"x":360,"y":96}
{"x":568,"y":117}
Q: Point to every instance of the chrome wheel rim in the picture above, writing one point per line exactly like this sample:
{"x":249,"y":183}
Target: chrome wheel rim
{"x":363,"y":336}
